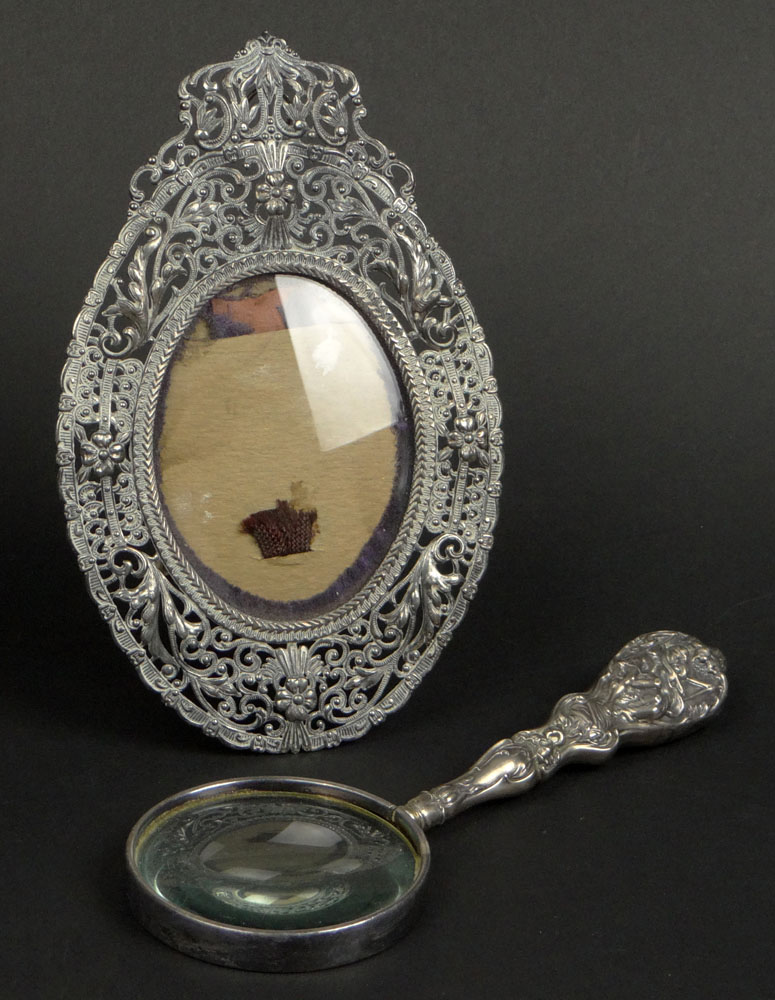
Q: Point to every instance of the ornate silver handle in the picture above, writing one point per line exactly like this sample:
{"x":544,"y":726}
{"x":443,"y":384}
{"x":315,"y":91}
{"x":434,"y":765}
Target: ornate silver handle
{"x":658,"y":687}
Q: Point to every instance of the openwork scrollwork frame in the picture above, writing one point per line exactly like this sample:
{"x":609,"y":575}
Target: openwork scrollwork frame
{"x":273,"y":172}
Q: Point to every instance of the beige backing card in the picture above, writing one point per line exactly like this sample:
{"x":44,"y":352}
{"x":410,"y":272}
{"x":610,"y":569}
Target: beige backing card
{"x":239,"y":434}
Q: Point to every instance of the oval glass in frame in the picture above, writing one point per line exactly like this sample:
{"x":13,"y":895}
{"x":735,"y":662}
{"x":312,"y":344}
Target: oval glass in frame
{"x":283,"y":447}
{"x":279,"y":440}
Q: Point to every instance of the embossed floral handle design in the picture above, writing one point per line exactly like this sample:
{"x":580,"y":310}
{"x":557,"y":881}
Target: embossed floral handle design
{"x":658,"y":687}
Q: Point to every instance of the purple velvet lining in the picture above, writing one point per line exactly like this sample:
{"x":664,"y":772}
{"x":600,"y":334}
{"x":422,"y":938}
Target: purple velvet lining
{"x":349,"y":582}
{"x":221,"y":325}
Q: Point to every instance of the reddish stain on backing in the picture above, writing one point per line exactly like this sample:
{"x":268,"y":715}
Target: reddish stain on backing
{"x":282,"y":530}
{"x":258,"y":313}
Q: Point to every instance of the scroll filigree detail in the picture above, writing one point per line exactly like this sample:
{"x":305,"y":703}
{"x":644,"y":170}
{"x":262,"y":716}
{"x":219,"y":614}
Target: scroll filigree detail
{"x":657,"y":687}
{"x":273,"y":171}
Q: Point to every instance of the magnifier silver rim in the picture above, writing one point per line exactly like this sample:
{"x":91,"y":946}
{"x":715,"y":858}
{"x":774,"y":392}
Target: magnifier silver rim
{"x":267,"y":950}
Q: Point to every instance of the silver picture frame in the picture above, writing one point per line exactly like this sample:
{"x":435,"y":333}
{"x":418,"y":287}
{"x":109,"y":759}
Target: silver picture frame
{"x":273,"y":173}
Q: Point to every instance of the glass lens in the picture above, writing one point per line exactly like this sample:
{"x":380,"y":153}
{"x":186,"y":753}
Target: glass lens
{"x":283,"y":447}
{"x":276,"y":860}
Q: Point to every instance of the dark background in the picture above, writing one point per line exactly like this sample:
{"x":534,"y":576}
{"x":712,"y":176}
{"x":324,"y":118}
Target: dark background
{"x":602,"y":175}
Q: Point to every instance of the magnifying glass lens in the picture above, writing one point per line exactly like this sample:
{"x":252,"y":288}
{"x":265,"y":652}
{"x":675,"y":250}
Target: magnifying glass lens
{"x":276,"y":860}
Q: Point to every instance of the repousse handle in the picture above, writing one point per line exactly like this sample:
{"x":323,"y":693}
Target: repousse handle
{"x":658,"y":687}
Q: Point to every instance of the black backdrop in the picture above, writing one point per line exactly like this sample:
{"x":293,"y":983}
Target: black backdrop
{"x":601,"y":173}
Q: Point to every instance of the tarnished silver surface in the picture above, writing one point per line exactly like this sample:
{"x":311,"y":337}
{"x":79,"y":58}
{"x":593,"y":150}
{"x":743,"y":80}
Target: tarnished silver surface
{"x":316,"y":947}
{"x":656,"y":688}
{"x":273,"y":171}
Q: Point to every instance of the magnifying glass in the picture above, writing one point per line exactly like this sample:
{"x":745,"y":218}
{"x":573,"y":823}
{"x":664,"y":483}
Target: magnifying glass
{"x":293,"y":874}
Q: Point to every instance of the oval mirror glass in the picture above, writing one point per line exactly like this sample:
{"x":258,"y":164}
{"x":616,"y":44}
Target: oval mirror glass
{"x":283,"y":447}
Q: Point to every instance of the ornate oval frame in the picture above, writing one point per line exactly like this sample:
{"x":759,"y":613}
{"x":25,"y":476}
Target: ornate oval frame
{"x":273,"y":172}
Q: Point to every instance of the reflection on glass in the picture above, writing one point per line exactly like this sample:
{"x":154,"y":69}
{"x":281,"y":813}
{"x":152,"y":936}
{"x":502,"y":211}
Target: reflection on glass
{"x":277,"y":860}
{"x":284,"y":447}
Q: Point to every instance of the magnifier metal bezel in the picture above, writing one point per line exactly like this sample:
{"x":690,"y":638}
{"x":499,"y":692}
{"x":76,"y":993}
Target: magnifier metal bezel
{"x":269,"y":950}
